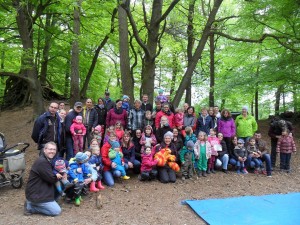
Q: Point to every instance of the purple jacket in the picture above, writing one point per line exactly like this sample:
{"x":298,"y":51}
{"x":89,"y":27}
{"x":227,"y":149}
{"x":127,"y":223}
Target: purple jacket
{"x":226,"y":127}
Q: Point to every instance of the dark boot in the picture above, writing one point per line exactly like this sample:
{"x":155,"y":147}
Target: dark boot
{"x":204,"y":173}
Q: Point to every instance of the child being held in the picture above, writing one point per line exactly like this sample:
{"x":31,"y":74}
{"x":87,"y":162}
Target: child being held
{"x":78,"y":131}
{"x":97,"y":134}
{"x":116,"y":156}
{"x":202,"y":150}
{"x":148,"y":163}
{"x":178,"y":118}
{"x":254,"y":156}
{"x":215,"y":147}
{"x":187,"y":158}
{"x":96,"y":162}
{"x":285,"y":146}
{"x":240,"y":154}
{"x":61,"y":172}
{"x":161,"y":97}
{"x":148,"y":138}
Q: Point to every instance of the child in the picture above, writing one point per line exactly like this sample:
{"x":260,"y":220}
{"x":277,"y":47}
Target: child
{"x":119,"y":130}
{"x":148,"y":120}
{"x":285,"y":146}
{"x":148,"y":138}
{"x":178,"y":118}
{"x":189,"y":135}
{"x":254,"y":155}
{"x":202,"y":150}
{"x":78,"y":131}
{"x":61,"y":172}
{"x":240,"y":154}
{"x":125,"y":103}
{"x":96,"y":162}
{"x":116,"y":156}
{"x":94,"y":143}
{"x":187,"y":158}
{"x":161,"y":97}
{"x":78,"y":174}
{"x":147,"y":170}
{"x":97,"y":134}
{"x":215,"y":147}
{"x":164,"y":128}
{"x":110,"y":129}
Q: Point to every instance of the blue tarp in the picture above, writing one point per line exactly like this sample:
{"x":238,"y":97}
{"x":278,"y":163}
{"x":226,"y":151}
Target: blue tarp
{"x":281,"y":209}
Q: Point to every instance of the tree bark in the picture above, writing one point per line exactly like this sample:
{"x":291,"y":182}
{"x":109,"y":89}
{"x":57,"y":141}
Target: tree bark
{"x":75,"y":91}
{"x":212,"y":71}
{"x":197,"y":54}
{"x":277,"y":99}
{"x":126,"y":78}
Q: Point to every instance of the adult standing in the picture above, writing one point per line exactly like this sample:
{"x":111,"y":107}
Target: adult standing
{"x":40,"y":187}
{"x":102,"y":113}
{"x":117,"y":114}
{"x":108,"y":174}
{"x":136,"y":117}
{"x":157,"y":108}
{"x":90,"y":120}
{"x":226,"y":126}
{"x":264,"y":154}
{"x":276,"y":127}
{"x":246,"y":125}
{"x":204,"y":122}
{"x":47,"y":127}
{"x":109,"y":104}
{"x":189,"y":119}
{"x":146,"y":106}
{"x":77,"y":111}
{"x":167,"y":113}
{"x":185,"y":107}
{"x":165,"y":173}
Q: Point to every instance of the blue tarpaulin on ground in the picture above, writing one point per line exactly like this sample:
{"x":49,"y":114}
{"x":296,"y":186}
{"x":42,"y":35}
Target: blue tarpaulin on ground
{"x":281,"y":209}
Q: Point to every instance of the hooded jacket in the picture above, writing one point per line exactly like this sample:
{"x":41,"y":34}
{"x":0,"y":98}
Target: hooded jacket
{"x":147,"y":162}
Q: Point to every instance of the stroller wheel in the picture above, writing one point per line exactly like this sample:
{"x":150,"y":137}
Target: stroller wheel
{"x":17,"y":182}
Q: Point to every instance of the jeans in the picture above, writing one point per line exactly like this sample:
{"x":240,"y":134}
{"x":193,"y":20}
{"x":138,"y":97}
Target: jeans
{"x":46,"y":208}
{"x":136,"y":166}
{"x":266,"y":158}
{"x":254,"y":162}
{"x":285,"y":159}
{"x":69,"y":146}
{"x":166,"y":174}
{"x":240,"y":165}
{"x":108,"y":177}
{"x":224,"y":159}
{"x":232,"y":161}
{"x":273,"y":151}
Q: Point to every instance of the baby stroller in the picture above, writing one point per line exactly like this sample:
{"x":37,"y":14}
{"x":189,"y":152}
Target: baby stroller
{"x":12,"y":163}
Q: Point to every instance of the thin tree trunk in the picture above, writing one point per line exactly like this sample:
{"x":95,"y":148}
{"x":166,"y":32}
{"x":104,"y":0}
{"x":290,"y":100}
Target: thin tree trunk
{"x":212,"y":70}
{"x":277,"y":100}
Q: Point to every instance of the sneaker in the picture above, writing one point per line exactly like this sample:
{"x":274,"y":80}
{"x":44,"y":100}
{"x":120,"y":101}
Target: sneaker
{"x":183,"y":178}
{"x":256,"y":172}
{"x":139,"y":177}
{"x":125,"y":177}
{"x":269,"y":175}
{"x":245,"y":171}
{"x":208,"y":171}
{"x":26,"y":211}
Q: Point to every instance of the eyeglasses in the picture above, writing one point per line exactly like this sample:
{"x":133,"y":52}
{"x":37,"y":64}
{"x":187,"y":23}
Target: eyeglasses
{"x":51,"y":149}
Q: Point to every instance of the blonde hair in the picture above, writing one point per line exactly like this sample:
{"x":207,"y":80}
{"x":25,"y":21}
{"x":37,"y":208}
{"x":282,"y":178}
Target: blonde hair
{"x":204,"y":134}
{"x":188,"y":130}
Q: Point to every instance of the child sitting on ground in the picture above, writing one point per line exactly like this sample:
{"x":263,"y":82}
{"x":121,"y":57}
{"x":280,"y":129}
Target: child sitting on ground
{"x":78,"y":131}
{"x":187,"y":158}
{"x":61,"y":172}
{"x":147,"y":168}
{"x":240,"y":154}
{"x":97,"y":134}
{"x":254,"y":156}
{"x":116,"y":156}
{"x":96,"y":162}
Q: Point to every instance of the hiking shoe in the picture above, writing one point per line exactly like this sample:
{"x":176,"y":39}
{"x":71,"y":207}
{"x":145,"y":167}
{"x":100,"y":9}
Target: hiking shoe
{"x":208,"y":171}
{"x":26,"y":211}
{"x":125,"y":177}
{"x":77,"y":201}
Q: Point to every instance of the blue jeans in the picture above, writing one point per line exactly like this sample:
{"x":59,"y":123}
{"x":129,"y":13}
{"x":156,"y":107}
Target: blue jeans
{"x":266,"y":158}
{"x":240,"y":165}
{"x":254,"y":162}
{"x":285,"y":159}
{"x":46,"y":208}
{"x":108,"y":177}
{"x":136,"y":166}
{"x":224,"y":159}
{"x":232,"y":161}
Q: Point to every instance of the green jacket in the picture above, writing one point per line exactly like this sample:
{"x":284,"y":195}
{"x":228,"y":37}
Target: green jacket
{"x":245,"y":126}
{"x":187,"y":155}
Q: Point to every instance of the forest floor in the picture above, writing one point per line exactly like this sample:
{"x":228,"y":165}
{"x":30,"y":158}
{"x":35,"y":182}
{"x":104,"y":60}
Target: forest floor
{"x":135,"y":202}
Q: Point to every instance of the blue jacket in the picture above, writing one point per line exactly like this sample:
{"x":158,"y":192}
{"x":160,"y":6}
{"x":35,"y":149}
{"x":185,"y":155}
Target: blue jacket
{"x":73,"y":174}
{"x":204,"y":124}
{"x":40,"y":129}
{"x":97,"y":161}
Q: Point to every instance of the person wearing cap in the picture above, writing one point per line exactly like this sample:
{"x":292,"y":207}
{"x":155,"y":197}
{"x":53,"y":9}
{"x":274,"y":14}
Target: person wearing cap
{"x":126,"y":103}
{"x":241,"y":155}
{"x":47,"y":127}
{"x":40,"y":188}
{"x":77,"y":111}
{"x":117,"y":114}
{"x":246,"y":125}
{"x":187,"y":158}
{"x":109,"y":104}
{"x":61,"y":172}
{"x":90,"y":120}
{"x":165,"y":173}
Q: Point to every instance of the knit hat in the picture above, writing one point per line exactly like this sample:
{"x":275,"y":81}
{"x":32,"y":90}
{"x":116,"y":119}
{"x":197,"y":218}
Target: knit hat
{"x":241,"y":141}
{"x":77,"y":104}
{"x":190,"y":145}
{"x":160,"y":91}
{"x":169,"y":134}
{"x":125,"y":97}
{"x":60,"y":166}
{"x":78,"y":117}
{"x":98,"y":128}
{"x":115,"y":144}
{"x":80,"y":157}
{"x":245,"y":108}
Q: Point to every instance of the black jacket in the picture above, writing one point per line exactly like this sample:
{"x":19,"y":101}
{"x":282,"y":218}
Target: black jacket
{"x":41,"y":182}
{"x":101,"y":115}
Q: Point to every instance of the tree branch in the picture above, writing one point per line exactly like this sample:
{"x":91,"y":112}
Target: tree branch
{"x":226,"y":18}
{"x":11,"y":74}
{"x":167,"y":12}
{"x":159,"y":40}
{"x":145,"y":15}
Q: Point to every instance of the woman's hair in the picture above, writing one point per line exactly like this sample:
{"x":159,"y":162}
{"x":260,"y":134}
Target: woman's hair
{"x":191,"y":107}
{"x":124,"y":144}
{"x":225,"y":110}
{"x":214,"y":129}
{"x":204,"y":134}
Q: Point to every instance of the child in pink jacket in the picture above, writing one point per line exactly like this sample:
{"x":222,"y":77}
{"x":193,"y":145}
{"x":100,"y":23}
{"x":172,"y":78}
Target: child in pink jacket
{"x":178,"y":118}
{"x":147,"y":168}
{"x":78,"y":131}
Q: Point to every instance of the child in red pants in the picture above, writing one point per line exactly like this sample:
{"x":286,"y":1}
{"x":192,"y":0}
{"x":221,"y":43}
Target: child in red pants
{"x":78,"y":131}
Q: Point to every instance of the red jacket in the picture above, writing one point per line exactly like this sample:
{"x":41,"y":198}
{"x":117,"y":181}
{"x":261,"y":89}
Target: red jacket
{"x":148,"y":162}
{"x":77,"y":126}
{"x":169,"y":115}
{"x":286,"y":144}
{"x":178,"y":119}
{"x":105,"y":159}
{"x":113,"y":117}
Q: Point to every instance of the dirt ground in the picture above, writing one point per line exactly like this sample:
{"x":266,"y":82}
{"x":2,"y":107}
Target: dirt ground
{"x":132,"y":201}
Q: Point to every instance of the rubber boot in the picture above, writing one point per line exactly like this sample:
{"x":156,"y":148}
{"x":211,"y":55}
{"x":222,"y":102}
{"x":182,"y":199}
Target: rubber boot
{"x":93,"y":187}
{"x":100,"y":186}
{"x":77,"y":201}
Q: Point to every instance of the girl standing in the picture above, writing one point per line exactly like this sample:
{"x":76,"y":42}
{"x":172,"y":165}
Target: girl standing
{"x":202,"y":150}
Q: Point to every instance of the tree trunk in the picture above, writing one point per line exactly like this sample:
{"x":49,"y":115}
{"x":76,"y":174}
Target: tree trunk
{"x":174,"y":72}
{"x":126,"y":78}
{"x":277,"y":99}
{"x":212,"y":70}
{"x":75,"y":91}
{"x":28,"y":69}
{"x":67,"y":79}
{"x":198,"y":52}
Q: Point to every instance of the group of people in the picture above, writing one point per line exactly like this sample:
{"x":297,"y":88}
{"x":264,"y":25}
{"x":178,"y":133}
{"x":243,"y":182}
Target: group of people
{"x":91,"y":144}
